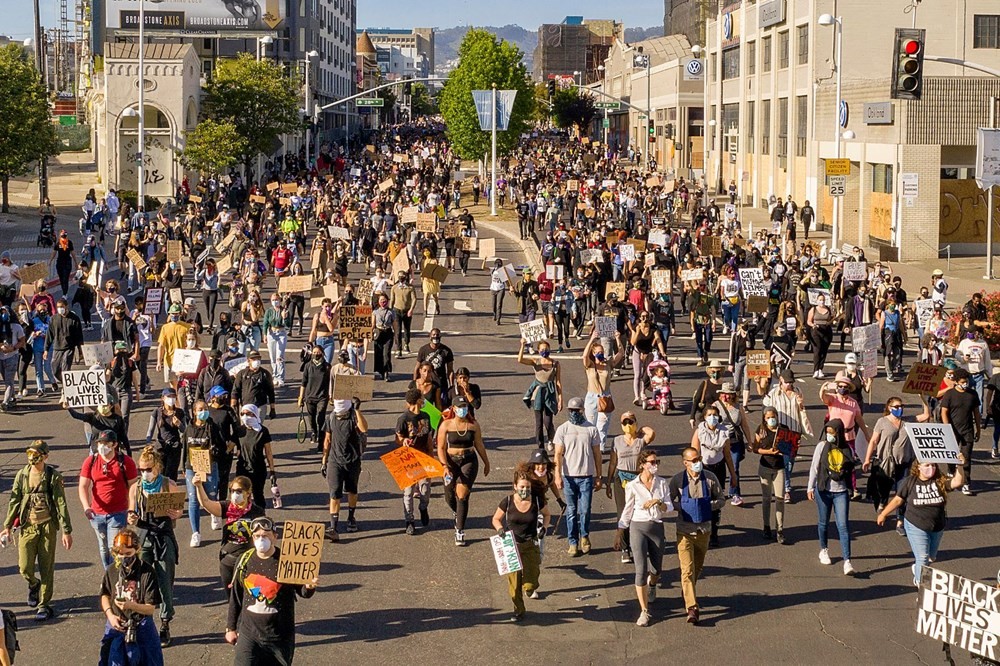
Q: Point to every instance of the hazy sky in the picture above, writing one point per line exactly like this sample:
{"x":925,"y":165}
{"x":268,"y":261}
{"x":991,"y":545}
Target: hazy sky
{"x":421,"y":13}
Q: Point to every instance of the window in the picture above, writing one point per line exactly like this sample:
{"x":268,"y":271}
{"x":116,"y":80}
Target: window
{"x":751,"y":58}
{"x":802,"y":41}
{"x":986,"y":31}
{"x":765,"y":127}
{"x":731,"y":63}
{"x":783,"y":50}
{"x":751,"y":118}
{"x":714,"y":65}
{"x":783,"y":127}
{"x":882,"y":178}
{"x":711,"y":117}
{"x":801,"y":123}
{"x":765,"y":54}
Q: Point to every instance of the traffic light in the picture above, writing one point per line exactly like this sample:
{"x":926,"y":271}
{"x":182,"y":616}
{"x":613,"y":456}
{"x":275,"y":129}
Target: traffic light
{"x":552,"y":88}
{"x":668,"y":131}
{"x":652,"y":133}
{"x":407,"y":88}
{"x":908,"y":64}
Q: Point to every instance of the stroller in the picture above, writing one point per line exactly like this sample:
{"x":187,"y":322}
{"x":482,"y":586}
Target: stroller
{"x":46,"y":235}
{"x":663,"y":398}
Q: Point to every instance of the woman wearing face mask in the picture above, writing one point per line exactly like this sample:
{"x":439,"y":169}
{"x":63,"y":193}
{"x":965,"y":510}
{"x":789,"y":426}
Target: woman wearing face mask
{"x":85,"y":296}
{"x":771,"y":470}
{"x":255,"y":459}
{"x":172,"y":277}
{"x":840,"y":405}
{"x":23,"y":318}
{"x":297,"y":303}
{"x":201,"y":435}
{"x":890,"y":324}
{"x":819,"y":322}
{"x":253,"y":314}
{"x":130,"y":596}
{"x":459,"y":442}
{"x":383,"y":321}
{"x":829,"y":485}
{"x":209,"y":279}
{"x":159,"y":549}
{"x":167,"y":423}
{"x":525,"y":515}
{"x":925,"y":494}
{"x":544,"y":396}
{"x":598,"y":369}
{"x":734,"y":418}
{"x":623,"y":467}
{"x":186,"y":380}
{"x":35,"y":340}
{"x":647,"y":501}
{"x":62,"y":255}
{"x":711,"y":440}
{"x":324,"y":323}
{"x":237,"y":513}
{"x":544,"y":471}
{"x":645,"y":337}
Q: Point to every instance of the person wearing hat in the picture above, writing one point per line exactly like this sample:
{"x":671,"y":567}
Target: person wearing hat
{"x":734,"y":418}
{"x":858,"y":383}
{"x":212,"y":375}
{"x":38,"y":508}
{"x":624,"y":466}
{"x":789,"y":404}
{"x":130,"y":596}
{"x":173,"y":336}
{"x":190,"y":314}
{"x":840,"y":405}
{"x":939,"y":287}
{"x":105,"y":477}
{"x":261,"y":618}
{"x":528,"y":297}
{"x":960,"y":407}
{"x":577,"y":473}
{"x":543,"y":468}
{"x":254,"y":385}
{"x":707,"y":392}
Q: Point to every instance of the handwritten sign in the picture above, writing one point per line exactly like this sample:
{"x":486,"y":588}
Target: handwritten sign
{"x":468,"y":243}
{"x":814,"y":296}
{"x":301,"y":551}
{"x":409,"y":215}
{"x":661,"y":281}
{"x":627,"y":252}
{"x":159,"y":504}
{"x":136,"y":259}
{"x":224,"y":264}
{"x":933,"y":442}
{"x":195,"y":198}
{"x":555,"y":272}
{"x":614,"y":288}
{"x":328,"y":291}
{"x":356,"y":322}
{"x":176,"y":295}
{"x":98,"y":353}
{"x":175,"y":250}
{"x":869,"y":363}
{"x":154,"y":302}
{"x":432,"y":271}
{"x":84,"y":388}
{"x":572,"y":185}
{"x":290,"y":188}
{"x":365,"y":290}
{"x":711,"y":246}
{"x":33,"y":273}
{"x":693,"y":275}
{"x":924,"y":379}
{"x":426,"y":222}
{"x":346,"y":387}
{"x":258,"y":199}
{"x":407,"y":466}
{"x":505,"y":553}
{"x":606,"y":326}
{"x":385,"y":185}
{"x":295,"y":284}
{"x":758,"y":363}
{"x":856,"y":271}
{"x":865,"y":337}
{"x":657,"y":237}
{"x":401,"y":262}
{"x":533,"y":331}
{"x":487,"y":248}
{"x":271,"y":187}
{"x":187,"y":361}
{"x":757,"y":303}
{"x":201,"y":462}
{"x":593,"y":256}
{"x":752,"y":281}
{"x":338,"y":232}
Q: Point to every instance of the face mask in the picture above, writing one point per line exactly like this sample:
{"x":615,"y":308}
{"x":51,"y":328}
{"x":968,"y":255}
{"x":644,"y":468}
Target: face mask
{"x":435,"y":341}
{"x":897,"y":412}
{"x":697,"y":467}
{"x":544,"y":353}
{"x":653,"y":468}
{"x":540,"y":474}
{"x":251,"y":422}
{"x":461,"y":412}
{"x":832,"y":439}
{"x":104,"y":410}
{"x":524,"y":493}
{"x":255,"y":363}
{"x":61,"y":310}
{"x":128,"y":562}
{"x":238,"y":498}
{"x":234,"y":349}
{"x":175,"y":318}
{"x":576,"y":418}
{"x":104,"y":450}
{"x":34,"y":460}
{"x":712,"y":420}
{"x":275,"y":304}
{"x":203,"y":415}
{"x":772,"y":422}
{"x":191,"y":344}
{"x":713,"y":375}
{"x":629,"y":429}
{"x":927,"y":470}
{"x":961,"y":387}
{"x":262,"y":544}
{"x":842,"y":390}
{"x":148,"y":477}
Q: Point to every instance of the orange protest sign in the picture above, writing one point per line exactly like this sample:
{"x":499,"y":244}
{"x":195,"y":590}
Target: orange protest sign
{"x":407,"y":465}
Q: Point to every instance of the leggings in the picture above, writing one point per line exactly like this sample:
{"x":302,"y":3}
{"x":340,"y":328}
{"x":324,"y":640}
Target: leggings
{"x":210,"y":297}
{"x":545,"y":429}
{"x":464,"y":469}
{"x":639,"y":366}
{"x":821,"y":337}
{"x":647,"y":542}
{"x":497,"y":304}
{"x":618,"y":492}
{"x":772,"y":484}
{"x":317,"y":416}
{"x":562,"y":327}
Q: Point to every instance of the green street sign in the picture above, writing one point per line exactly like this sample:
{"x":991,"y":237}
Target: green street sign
{"x":67,"y":121}
{"x":607,"y":123}
{"x":607,"y":105}
{"x":370,"y":101}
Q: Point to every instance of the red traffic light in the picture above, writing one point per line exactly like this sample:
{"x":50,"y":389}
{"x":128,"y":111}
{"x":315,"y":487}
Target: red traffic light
{"x":911,"y":47}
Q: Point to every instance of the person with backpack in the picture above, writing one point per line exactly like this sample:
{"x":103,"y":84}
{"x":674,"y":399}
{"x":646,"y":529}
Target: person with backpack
{"x":129,"y":597}
{"x":829,"y":486}
{"x":105,"y":478}
{"x":38,"y":508}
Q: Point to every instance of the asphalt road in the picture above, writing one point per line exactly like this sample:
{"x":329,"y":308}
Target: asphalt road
{"x":386,"y":597}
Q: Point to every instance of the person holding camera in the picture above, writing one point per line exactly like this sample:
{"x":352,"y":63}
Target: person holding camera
{"x":129,"y":597}
{"x":277,"y":322}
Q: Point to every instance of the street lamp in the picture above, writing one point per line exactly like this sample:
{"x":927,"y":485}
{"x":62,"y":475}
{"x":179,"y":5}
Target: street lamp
{"x":262,"y":44}
{"x":600,"y":70}
{"x":308,"y":111}
{"x":837,"y":23}
{"x":642,"y":60}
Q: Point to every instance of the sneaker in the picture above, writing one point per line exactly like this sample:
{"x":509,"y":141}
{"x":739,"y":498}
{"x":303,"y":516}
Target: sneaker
{"x":40,"y":394}
{"x":459,"y":538}
{"x":352,"y":525}
{"x":534,"y":595}
{"x":165,"y":633}
{"x":651,"y":593}
{"x":736,"y":501}
{"x":410,"y":530}
{"x":766,"y":535}
{"x":216,"y":523}
{"x":848,"y":568}
{"x":643,"y":620}
{"x":24,"y":394}
{"x":900,"y":528}
{"x":585,"y":545}
{"x":331,"y":535}
{"x":425,"y":518}
{"x":44,"y":613}
{"x":824,"y":556}
{"x":967,"y":491}
{"x":196,"y":539}
{"x":994,"y":453}
{"x":573,"y":551}
{"x":627,"y":557}
{"x":820,"y":375}
{"x":788,"y":497}
{"x":781,"y":537}
{"x":33,"y":594}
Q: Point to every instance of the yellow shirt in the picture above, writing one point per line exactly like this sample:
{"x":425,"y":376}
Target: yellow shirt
{"x":173,"y":335}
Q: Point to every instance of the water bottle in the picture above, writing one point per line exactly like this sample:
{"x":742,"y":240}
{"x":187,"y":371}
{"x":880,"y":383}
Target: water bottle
{"x":276,"y":495}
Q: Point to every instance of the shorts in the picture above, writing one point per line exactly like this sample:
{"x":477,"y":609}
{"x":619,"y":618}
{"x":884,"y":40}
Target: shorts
{"x":343,"y":478}
{"x":464,"y":467}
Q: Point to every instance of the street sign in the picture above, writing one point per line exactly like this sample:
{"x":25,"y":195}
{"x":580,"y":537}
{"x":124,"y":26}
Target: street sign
{"x":838,"y":186}
{"x":608,"y":105}
{"x":606,"y":123}
{"x":911,"y":185}
{"x":840,"y":166}
{"x":369,"y":101}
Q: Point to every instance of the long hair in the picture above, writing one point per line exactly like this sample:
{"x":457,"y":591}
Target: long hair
{"x":939,"y":478}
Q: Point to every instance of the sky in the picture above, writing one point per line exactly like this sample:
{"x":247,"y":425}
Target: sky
{"x":419,"y":13}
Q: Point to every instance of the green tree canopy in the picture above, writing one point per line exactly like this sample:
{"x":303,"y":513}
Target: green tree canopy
{"x":213,"y":147}
{"x":421,"y":101}
{"x":26,"y":130}
{"x":571,"y":109}
{"x":258,"y":99}
{"x":485,"y":61}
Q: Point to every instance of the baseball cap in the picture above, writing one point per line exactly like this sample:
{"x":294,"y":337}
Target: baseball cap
{"x":39,"y":447}
{"x":575,"y":403}
{"x":851,"y":358}
{"x":189,"y":301}
{"x":231,"y":342}
{"x":459,"y":401}
{"x":788,"y":376}
{"x":174,"y":309}
{"x":217,"y":392}
{"x":121,"y":345}
{"x":167,"y":392}
{"x":539,"y":457}
{"x":253,"y":354}
{"x":107,"y":436}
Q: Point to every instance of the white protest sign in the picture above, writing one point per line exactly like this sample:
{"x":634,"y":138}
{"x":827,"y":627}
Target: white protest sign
{"x":814,"y":295}
{"x":505,"y":553}
{"x":606,"y":326}
{"x":235,"y":365}
{"x":933,"y":442}
{"x":869,"y":363}
{"x":865,"y":337}
{"x":693,"y":275}
{"x":591,"y":256}
{"x":554,"y":272}
{"x":657,"y":237}
{"x":752,"y":280}
{"x":627,"y":252}
{"x":186,"y":361}
{"x":661,"y":281}
{"x":84,"y":388}
{"x":856,"y":271}
{"x":959,"y":611}
{"x":534,"y":331}
{"x":98,"y":353}
{"x":338,"y":232}
{"x":925,"y":310}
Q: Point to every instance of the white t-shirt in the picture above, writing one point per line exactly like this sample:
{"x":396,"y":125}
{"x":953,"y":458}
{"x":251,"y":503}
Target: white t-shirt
{"x":940,"y":293}
{"x":16,"y":333}
{"x":7,"y":275}
{"x":578,"y":442}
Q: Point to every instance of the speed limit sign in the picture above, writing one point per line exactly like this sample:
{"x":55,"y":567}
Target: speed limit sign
{"x":838,"y":186}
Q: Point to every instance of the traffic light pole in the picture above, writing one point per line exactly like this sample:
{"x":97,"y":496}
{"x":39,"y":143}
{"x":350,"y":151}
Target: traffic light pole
{"x":649,"y":115}
{"x":493,"y":155}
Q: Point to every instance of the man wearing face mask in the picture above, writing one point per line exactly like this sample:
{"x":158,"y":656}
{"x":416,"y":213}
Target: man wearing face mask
{"x":38,"y":506}
{"x":960,"y":407}
{"x":695,"y":493}
{"x":173,"y":336}
{"x":442,"y":359}
{"x":261,"y":619}
{"x":130,"y":595}
{"x":253,"y":385}
{"x":213,"y":374}
{"x":314,"y":393}
{"x":402,"y":300}
{"x":63,"y":339}
{"x":343,"y":445}
{"x":577,"y":473}
{"x":105,"y":478}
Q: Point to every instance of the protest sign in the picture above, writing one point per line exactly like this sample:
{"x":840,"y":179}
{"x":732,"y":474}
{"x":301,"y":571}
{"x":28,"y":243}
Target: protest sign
{"x":342,"y":233}
{"x":136,"y":259}
{"x":201,"y":462}
{"x":295,"y":284}
{"x":758,"y":364}
{"x":869,"y":363}
{"x":258,"y":199}
{"x":409,"y":215}
{"x":933,"y":442}
{"x":611,"y":239}
{"x":301,"y":551}
{"x":693,"y":275}
{"x":572,"y":185}
{"x":606,"y":326}
{"x":154,"y":301}
{"x":98,"y":353}
{"x":711,"y":246}
{"x":186,"y":361}
{"x":433,"y":271}
{"x":289,"y":188}
{"x":608,"y":184}
{"x":815,"y":293}
{"x":408,"y":465}
{"x":487,"y":248}
{"x":627,"y":252}
{"x":865,"y":337}
{"x":26,"y":292}
{"x":533,"y":331}
{"x":433,"y":413}
{"x":94,"y":276}
{"x":752,"y":281}
{"x":661,"y":281}
{"x":346,"y":387}
{"x":458,"y":176}
{"x":159,"y":504}
{"x":468,"y":243}
{"x":925,"y":310}
{"x":365,"y":290}
{"x":958,"y":611}
{"x":235,"y":365}
{"x":285,"y":201}
{"x":195,"y":198}
{"x":399,"y":158}
{"x":271,"y":187}
{"x":757,"y":304}
{"x":318,"y":294}
{"x":175,"y":250}
{"x":505,"y":553}
{"x":653,"y":181}
{"x":84,"y":388}
{"x":385,"y":185}
{"x":554,"y":272}
{"x":452,"y":229}
{"x":649,"y":260}
{"x":224,"y":264}
{"x":401,"y":262}
{"x":924,"y":379}
{"x":782,"y":359}
{"x":33,"y":273}
{"x":657,"y":237}
{"x":355,"y":322}
{"x":614,"y":288}
{"x":591,"y":257}
{"x":227,"y":241}
{"x":427,"y":222}
{"x":856,"y":271}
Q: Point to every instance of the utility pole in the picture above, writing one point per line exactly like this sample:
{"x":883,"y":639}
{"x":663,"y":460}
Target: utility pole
{"x":140,"y":170}
{"x":493,"y":161}
{"x":43,"y":163}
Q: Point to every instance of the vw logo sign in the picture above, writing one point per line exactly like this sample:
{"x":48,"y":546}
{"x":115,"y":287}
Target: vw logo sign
{"x":727,"y":25}
{"x":844,"y":113}
{"x":694,"y":67}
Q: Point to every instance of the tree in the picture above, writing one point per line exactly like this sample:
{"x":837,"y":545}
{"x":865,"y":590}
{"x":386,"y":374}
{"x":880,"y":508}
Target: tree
{"x":213,"y":147}
{"x":388,"y":96}
{"x":421,"y":101}
{"x":571,"y":109}
{"x":26,"y":130}
{"x":258,"y":99}
{"x":485,"y":61}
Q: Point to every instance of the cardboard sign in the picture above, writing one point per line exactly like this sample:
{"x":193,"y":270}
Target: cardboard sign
{"x":295,"y":284}
{"x":176,"y":296}
{"x":505,"y":553}
{"x":33,"y":273}
{"x":284,"y":201}
{"x":136,"y":259}
{"x":201,"y":462}
{"x":301,"y":551}
{"x":639,"y":245}
{"x":175,"y":250}
{"x":84,"y":388}
{"x":385,"y":185}
{"x":318,"y":294}
{"x":693,"y":275}
{"x":653,"y":181}
{"x":154,"y":302}
{"x":194,"y":198}
{"x":346,"y":387}
{"x":627,"y":252}
{"x":933,"y":442}
{"x":611,"y":240}
{"x":436,"y":272}
{"x":98,"y":353}
{"x":227,"y":241}
{"x":399,"y":158}
{"x":959,"y":611}
{"x":453,"y":230}
{"x":865,"y":337}
{"x":258,"y":199}
{"x":608,"y":184}
{"x":355,"y":322}
{"x":533,"y":331}
{"x":159,"y":504}
{"x":711,"y":246}
{"x":409,"y":215}
{"x":924,"y":379}
{"x":338,"y":232}
{"x":614,"y":288}
{"x":593,"y":256}
{"x":487,"y":248}
{"x":426,"y":222}
{"x":758,"y":363}
{"x":572,"y":185}
{"x":606,"y":326}
{"x":289,"y":188}
{"x":468,"y":243}
{"x":752,"y":281}
{"x":26,"y":292}
{"x":757,"y":304}
{"x":364,"y":291}
{"x":555,"y":272}
{"x":401,"y":263}
{"x":661,"y":281}
{"x":224,"y":264}
{"x":407,"y":466}
{"x":186,"y":361}
{"x":657,"y":237}
{"x":869,"y":363}
{"x":814,"y":295}
{"x":271,"y":187}
{"x":856,"y":271}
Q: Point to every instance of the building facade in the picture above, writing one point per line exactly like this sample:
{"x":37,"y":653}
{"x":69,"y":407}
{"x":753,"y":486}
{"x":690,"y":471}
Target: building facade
{"x":773,"y":118}
{"x":688,"y":18}
{"x":576,"y":45}
{"x":403,"y":53}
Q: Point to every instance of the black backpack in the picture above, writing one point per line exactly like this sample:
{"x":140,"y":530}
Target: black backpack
{"x":10,"y":633}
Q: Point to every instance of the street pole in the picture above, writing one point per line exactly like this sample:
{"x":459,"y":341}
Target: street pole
{"x":307,"y":114}
{"x":989,"y":215}
{"x":837,"y":204}
{"x":607,"y":125}
{"x":649,"y":113}
{"x":43,"y":164}
{"x":141,"y":155}
{"x":493,"y":156}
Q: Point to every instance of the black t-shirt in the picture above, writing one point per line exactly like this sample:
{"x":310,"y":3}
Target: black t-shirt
{"x":524,"y":526}
{"x":924,"y":503}
{"x":769,"y":460}
{"x":418,"y":428}
{"x":260,"y":608}
{"x":252,"y":444}
{"x":137,"y":584}
{"x":960,"y":406}
{"x":236,"y":536}
{"x":439,"y":359}
{"x":994,"y":383}
{"x":345,"y":439}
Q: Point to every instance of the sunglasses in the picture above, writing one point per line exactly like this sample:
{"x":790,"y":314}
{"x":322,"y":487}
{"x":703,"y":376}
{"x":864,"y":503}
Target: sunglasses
{"x":693,"y":460}
{"x":655,"y":461}
{"x":628,"y":421}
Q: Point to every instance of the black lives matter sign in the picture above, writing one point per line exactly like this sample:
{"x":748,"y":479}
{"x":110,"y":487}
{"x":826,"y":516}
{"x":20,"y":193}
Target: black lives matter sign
{"x":933,"y":442}
{"x":958,"y":611}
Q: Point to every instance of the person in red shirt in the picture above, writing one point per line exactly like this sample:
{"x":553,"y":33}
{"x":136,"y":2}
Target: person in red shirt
{"x":105,"y":478}
{"x":281,"y":260}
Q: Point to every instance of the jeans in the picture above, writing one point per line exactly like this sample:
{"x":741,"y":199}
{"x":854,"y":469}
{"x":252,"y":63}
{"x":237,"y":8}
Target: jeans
{"x":497,"y":304}
{"x":789,"y":464}
{"x":599,"y":419}
{"x":326,"y":343}
{"x":107,"y":527}
{"x":42,"y":369}
{"x":730,"y":315}
{"x":356,"y":359}
{"x":8,"y":373}
{"x":276,"y":343}
{"x":840,"y":503}
{"x":924,"y":546}
{"x":977,"y":383}
{"x":194,"y":508}
{"x":423,"y":488}
{"x":254,"y":336}
{"x":578,"y":491}
{"x":703,"y":337}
